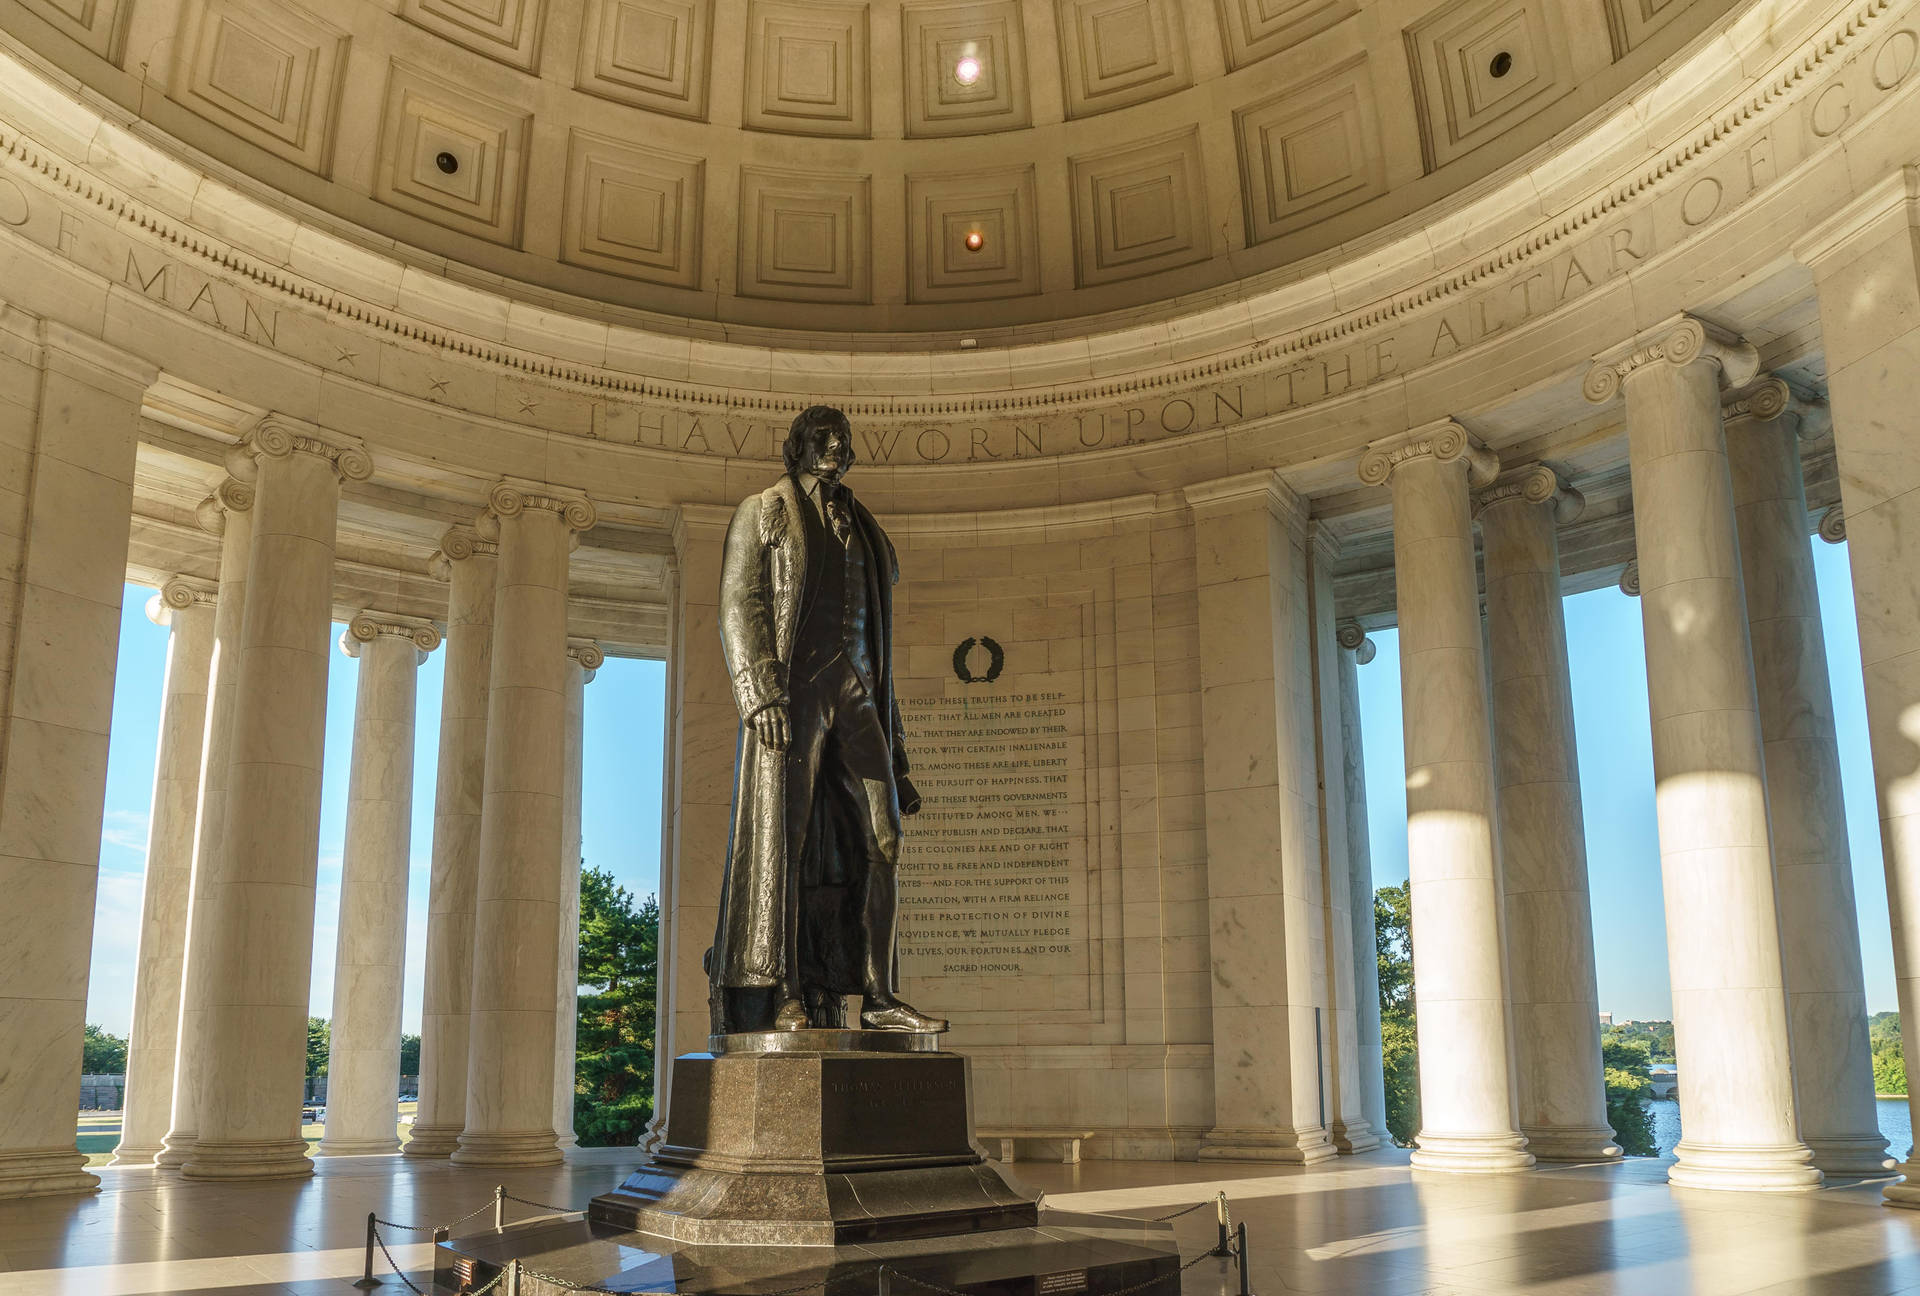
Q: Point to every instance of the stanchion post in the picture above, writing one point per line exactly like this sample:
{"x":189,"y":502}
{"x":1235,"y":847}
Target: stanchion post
{"x":513,"y":1278}
{"x":441,"y":1234}
{"x":499,"y":1207}
{"x":1225,"y":1245}
{"x":1240,"y":1239}
{"x":367,"y":1281}
{"x":886,"y":1288}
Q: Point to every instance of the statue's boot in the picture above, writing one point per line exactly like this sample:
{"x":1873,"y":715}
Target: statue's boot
{"x":792,"y":1015}
{"x":889,"y":1014}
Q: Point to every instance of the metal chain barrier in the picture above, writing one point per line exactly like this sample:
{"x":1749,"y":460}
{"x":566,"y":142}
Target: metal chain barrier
{"x":1233,"y":1245}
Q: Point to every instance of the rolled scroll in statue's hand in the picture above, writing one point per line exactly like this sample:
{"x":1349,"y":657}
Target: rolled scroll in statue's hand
{"x":808,"y":901}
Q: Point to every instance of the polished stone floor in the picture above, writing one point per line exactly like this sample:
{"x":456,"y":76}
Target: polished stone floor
{"x":1362,"y":1224}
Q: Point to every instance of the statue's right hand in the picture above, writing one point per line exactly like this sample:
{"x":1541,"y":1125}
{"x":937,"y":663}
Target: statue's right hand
{"x":770,"y":727}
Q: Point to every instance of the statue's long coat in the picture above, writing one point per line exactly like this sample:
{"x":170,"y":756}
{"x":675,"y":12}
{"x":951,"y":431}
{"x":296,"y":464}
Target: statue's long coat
{"x":764,"y":585}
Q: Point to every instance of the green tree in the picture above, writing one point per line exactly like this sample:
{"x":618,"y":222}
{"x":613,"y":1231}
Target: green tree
{"x":101,"y":1053}
{"x":1889,"y":1055}
{"x":409,"y":1055}
{"x":1629,"y":1088}
{"x":1399,"y":1054}
{"x":319,"y":1040}
{"x":619,"y":971}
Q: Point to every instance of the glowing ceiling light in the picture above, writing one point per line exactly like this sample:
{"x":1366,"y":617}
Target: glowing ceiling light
{"x":967,"y":70}
{"x":974,"y":241}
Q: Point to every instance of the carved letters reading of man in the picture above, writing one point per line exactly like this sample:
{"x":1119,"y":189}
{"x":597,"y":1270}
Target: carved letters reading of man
{"x":820,"y":783}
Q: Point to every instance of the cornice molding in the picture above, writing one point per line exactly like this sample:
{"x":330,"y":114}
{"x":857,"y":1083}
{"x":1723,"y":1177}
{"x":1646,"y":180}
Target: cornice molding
{"x":1533,"y":483}
{"x":62,"y":346}
{"x":1261,"y":488}
{"x":1894,"y":199}
{"x":368,"y":626}
{"x":1444,"y":441}
{"x":1681,"y":340}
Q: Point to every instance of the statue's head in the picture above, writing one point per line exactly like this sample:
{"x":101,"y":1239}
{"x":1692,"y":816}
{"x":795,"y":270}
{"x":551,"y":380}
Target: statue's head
{"x":819,"y":442}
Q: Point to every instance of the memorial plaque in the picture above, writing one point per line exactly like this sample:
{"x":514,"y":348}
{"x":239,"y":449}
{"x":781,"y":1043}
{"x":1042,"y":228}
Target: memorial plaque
{"x":993,"y":871}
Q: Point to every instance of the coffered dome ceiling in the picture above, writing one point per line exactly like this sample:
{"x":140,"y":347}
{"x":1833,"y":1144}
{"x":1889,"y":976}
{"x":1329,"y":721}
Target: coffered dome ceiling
{"x":840,"y":168}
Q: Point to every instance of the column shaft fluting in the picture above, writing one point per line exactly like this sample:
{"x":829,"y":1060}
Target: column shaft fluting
{"x":1812,"y":866}
{"x":1467,"y":1104}
{"x":470,"y":560}
{"x":363,"y":1060}
{"x":187,"y":609}
{"x":1560,"y":1079}
{"x":583,"y":658}
{"x":261,"y":954}
{"x":517,"y":912}
{"x":228,"y":512}
{"x":1716,"y":863}
{"x":1357,"y":650}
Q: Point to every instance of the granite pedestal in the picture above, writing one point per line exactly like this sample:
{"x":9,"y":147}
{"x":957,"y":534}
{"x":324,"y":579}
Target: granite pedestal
{"x":807,"y":1157}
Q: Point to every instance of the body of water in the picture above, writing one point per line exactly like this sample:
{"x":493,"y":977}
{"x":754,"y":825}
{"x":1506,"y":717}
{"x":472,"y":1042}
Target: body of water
{"x":1895,"y":1122}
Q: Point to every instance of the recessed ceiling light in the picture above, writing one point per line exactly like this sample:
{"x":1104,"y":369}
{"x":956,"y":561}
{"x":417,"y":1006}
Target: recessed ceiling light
{"x":447,"y":162}
{"x":967,"y":70}
{"x":974,"y":241}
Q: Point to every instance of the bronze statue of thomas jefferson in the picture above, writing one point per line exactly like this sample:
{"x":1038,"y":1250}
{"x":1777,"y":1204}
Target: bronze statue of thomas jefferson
{"x":820,"y":780}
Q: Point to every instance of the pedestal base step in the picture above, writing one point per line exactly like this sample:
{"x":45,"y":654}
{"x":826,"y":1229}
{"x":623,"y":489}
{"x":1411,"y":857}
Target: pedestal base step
{"x":1064,"y":1255}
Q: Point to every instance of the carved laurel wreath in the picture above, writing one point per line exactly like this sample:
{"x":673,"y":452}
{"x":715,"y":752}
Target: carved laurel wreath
{"x":996,"y":660}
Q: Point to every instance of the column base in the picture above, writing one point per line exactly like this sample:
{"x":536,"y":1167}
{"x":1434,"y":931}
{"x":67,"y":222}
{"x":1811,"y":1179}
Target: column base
{"x":1905,"y":1192}
{"x":535,"y":1148}
{"x":1358,"y":1137}
{"x":250,"y":1159}
{"x":175,"y":1151}
{"x":432,"y":1141}
{"x":356,"y":1147}
{"x":1866,"y":1155}
{"x":1470,"y":1153}
{"x":1784,"y":1167}
{"x":127,"y":1155}
{"x":45,"y":1172}
{"x":1293,"y":1147}
{"x":570,"y":1141}
{"x":1562,"y":1143}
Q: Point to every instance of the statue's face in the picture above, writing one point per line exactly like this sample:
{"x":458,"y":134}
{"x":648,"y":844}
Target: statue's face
{"x":833,"y":454}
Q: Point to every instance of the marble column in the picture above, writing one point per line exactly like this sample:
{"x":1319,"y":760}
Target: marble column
{"x":1866,"y":269}
{"x":1560,"y":1079}
{"x":369,"y":963}
{"x":69,"y":423}
{"x":186,"y":608}
{"x":1812,"y":866}
{"x":517,"y":908}
{"x":1348,"y":1125}
{"x":1467,"y":1106}
{"x":1357,"y":650}
{"x":1716,"y":863}
{"x":583,"y":659}
{"x":260,"y":954}
{"x":227,"y":513}
{"x":466,"y":561}
{"x":1266,"y":909}
{"x":702,"y":726}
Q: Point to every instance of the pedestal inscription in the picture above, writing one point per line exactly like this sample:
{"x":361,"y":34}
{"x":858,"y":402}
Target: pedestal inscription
{"x":993,"y":873}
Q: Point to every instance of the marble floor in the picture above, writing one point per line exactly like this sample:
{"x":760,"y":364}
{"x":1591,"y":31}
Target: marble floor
{"x":1361,"y":1224}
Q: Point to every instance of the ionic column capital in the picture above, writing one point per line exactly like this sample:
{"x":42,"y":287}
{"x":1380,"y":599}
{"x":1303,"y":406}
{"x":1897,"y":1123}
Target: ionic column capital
{"x":1769,"y":397}
{"x":279,"y":436}
{"x":1351,"y":636}
{"x":231,"y":496}
{"x":368,"y":626}
{"x":587,"y":653}
{"x":511,"y":497}
{"x":1833,"y":525}
{"x":1630,"y":578}
{"x":1682,"y":340}
{"x":1443,"y":441}
{"x":1534,"y":483}
{"x":179,"y":594}
{"x":463,"y":542}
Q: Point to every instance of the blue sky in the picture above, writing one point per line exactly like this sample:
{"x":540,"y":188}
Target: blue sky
{"x":621,"y":810}
{"x":1609,"y":671}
